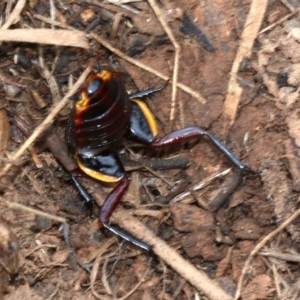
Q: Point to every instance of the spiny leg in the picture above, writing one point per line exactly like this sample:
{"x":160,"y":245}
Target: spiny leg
{"x":110,"y":204}
{"x":143,"y":129}
{"x":188,"y":133}
{"x":88,"y":200}
{"x":147,"y":93}
{"x":104,"y":163}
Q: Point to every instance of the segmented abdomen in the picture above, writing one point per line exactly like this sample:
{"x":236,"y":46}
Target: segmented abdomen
{"x":104,"y":117}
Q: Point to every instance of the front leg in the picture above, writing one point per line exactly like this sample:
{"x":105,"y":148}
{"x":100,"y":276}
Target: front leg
{"x":147,"y":93}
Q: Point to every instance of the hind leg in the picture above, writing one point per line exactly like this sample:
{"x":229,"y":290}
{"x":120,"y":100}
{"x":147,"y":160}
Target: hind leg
{"x":107,"y":167}
{"x":143,"y":130}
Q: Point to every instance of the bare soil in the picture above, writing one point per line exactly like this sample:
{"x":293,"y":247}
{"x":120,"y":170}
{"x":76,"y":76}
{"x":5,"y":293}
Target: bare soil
{"x":214,"y":227}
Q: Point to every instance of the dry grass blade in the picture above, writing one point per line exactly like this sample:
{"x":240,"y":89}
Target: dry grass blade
{"x":136,"y":286}
{"x":70,"y":38}
{"x":49,"y":77}
{"x":14,"y":16}
{"x":52,"y":22}
{"x":56,"y":109}
{"x":168,"y":31}
{"x":135,"y":62}
{"x":249,"y":34}
{"x":103,"y":248}
{"x":205,"y":182}
{"x":170,"y":256}
{"x":38,"y":248}
{"x":259,"y":246}
{"x":280,"y":21}
{"x":105,"y":277}
{"x":281,"y":256}
{"x":4,"y":129}
{"x":110,"y":7}
{"x":15,"y":205}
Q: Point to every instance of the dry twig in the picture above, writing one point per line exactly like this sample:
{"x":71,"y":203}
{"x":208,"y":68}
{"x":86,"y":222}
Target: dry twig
{"x":171,"y":257}
{"x":15,"y":205}
{"x":280,"y":21}
{"x":56,"y":109}
{"x":251,"y":28}
{"x":14,"y":16}
{"x":135,"y":62}
{"x":167,"y":29}
{"x":72,"y":38}
{"x":259,"y":246}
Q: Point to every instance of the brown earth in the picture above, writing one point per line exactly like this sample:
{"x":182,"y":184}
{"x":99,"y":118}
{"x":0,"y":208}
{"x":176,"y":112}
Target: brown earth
{"x":215,"y":227}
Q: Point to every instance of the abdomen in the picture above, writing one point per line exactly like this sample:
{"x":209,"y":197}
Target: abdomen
{"x":103,"y":117}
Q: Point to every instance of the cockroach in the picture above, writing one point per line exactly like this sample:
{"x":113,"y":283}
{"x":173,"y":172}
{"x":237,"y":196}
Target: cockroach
{"x":101,"y":118}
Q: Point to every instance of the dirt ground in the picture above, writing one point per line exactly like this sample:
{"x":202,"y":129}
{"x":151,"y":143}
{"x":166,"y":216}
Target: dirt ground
{"x":191,"y":197}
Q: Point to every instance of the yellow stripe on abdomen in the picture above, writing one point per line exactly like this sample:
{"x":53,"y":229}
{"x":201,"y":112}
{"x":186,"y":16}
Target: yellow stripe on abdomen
{"x":148,"y":115}
{"x":97,"y":175}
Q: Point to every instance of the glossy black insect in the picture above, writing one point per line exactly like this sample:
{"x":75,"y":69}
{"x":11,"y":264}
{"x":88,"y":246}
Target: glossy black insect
{"x":105,"y":115}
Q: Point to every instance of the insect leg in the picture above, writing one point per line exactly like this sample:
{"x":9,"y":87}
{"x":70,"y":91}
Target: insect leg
{"x":189,"y":133}
{"x":149,"y":92}
{"x":110,"y":205}
{"x":88,"y":199}
{"x":107,"y":167}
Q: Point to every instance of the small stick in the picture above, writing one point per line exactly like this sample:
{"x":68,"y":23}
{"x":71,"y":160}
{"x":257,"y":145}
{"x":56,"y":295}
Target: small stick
{"x":259,"y":246}
{"x":72,"y":38}
{"x":49,"y":119}
{"x":281,"y":256}
{"x":14,"y":16}
{"x":122,"y":55}
{"x":135,"y":62}
{"x":176,"y":46}
{"x":114,"y":8}
{"x":249,"y":34}
{"x":35,"y":211}
{"x":171,"y":257}
{"x":288,"y":5}
{"x":280,"y":21}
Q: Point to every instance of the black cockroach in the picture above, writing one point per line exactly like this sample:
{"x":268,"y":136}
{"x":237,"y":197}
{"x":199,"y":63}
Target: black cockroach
{"x":103,"y":116}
